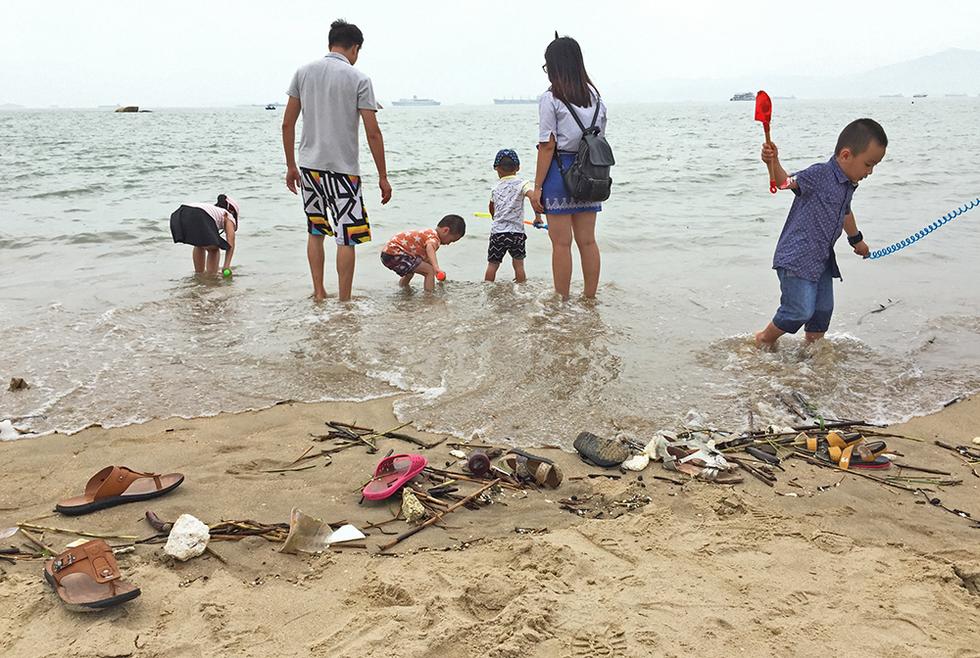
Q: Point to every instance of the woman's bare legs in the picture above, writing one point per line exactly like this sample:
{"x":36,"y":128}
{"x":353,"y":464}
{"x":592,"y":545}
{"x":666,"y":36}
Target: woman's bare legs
{"x":560,"y":233}
{"x":583,"y":227}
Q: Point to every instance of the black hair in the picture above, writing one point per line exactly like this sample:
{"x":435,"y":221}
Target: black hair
{"x":222,"y":202}
{"x":507,"y":165}
{"x":566,"y":70}
{"x":455,"y":224}
{"x":857,"y":135}
{"x":344,"y":34}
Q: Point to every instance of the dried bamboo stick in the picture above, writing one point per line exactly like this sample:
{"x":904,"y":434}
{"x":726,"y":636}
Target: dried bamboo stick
{"x":438,"y":517}
{"x":80,"y":533}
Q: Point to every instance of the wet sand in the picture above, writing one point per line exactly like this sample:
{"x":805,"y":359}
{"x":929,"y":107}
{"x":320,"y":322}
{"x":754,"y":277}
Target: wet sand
{"x":702,"y":569}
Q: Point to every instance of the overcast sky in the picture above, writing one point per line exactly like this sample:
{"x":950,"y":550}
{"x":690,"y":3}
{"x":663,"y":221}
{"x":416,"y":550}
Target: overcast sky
{"x":203,"y":52}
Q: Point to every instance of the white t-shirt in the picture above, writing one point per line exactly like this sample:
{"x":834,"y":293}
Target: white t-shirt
{"x":554,"y":119}
{"x":219,"y":215}
{"x":508,"y":204}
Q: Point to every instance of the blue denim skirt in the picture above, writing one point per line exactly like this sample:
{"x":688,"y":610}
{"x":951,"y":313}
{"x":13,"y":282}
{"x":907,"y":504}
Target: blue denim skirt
{"x":554,"y":194}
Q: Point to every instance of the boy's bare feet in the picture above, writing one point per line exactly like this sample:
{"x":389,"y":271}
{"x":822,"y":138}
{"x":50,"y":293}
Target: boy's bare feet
{"x":766,"y":339}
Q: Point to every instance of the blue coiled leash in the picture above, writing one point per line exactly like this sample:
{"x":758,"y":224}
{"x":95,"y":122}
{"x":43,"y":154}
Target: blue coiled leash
{"x":918,"y":235}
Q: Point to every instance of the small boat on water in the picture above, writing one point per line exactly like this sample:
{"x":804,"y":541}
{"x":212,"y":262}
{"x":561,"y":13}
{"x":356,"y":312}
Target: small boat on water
{"x":745,"y":96}
{"x":415,"y":101}
{"x":919,"y":95}
{"x":270,"y":106}
{"x":515,"y":101}
{"x":128,"y":108}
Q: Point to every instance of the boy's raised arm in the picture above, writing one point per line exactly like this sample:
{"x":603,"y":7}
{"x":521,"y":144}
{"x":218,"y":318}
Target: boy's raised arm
{"x":770,"y":154}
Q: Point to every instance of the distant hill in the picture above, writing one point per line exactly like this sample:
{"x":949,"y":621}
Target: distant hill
{"x":11,"y":106}
{"x":953,"y":71}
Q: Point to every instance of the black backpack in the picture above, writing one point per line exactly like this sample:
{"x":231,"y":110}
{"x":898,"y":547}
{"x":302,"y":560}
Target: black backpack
{"x":588,"y":178}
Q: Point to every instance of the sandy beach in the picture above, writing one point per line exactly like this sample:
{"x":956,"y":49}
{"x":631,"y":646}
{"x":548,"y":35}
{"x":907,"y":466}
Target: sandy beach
{"x":695,"y":569}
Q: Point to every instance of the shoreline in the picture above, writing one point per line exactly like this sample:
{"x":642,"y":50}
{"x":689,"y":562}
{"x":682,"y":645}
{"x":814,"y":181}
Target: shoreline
{"x":698,"y":567}
{"x":394,"y":396}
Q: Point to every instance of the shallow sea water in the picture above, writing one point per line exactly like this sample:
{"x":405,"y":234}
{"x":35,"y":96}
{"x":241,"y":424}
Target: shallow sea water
{"x":102,"y":314}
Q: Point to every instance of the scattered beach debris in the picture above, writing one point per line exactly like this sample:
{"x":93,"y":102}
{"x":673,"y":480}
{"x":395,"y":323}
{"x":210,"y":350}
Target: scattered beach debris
{"x":391,"y":474}
{"x":7,"y":431}
{"x":654,"y":449}
{"x":346,"y":435}
{"x":478,"y":462}
{"x":604,"y":453}
{"x":306,"y":533}
{"x":881,"y":308}
{"x":18,"y":384}
{"x":412,"y":509}
{"x":527,"y":467}
{"x":188,"y":538}
{"x":599,"y":506}
{"x":438,"y":517}
{"x":345,"y":533}
{"x":458,"y":454}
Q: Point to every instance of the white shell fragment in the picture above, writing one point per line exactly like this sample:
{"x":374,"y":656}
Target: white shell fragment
{"x":345,"y":533}
{"x":188,"y":538}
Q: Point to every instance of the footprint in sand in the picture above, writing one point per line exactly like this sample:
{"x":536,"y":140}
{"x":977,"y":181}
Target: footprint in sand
{"x":832,"y":542}
{"x":608,"y":642}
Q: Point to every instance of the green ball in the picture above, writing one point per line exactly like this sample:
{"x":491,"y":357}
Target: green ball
{"x":226,"y":272}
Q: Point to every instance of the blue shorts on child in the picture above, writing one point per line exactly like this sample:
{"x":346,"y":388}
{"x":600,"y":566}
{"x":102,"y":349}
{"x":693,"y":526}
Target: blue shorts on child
{"x":804,"y":303}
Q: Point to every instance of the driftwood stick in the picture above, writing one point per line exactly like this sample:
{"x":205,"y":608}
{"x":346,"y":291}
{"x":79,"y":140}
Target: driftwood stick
{"x":807,"y":458}
{"x":291,"y":468}
{"x":922,"y":469}
{"x":37,"y":542}
{"x":79,"y":533}
{"x":758,"y":474}
{"x":438,"y":517}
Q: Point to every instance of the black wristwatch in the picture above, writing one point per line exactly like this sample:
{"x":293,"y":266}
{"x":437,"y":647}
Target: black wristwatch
{"x":855,"y":239}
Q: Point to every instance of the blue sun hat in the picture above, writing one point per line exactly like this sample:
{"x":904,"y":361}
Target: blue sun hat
{"x":506,"y":153}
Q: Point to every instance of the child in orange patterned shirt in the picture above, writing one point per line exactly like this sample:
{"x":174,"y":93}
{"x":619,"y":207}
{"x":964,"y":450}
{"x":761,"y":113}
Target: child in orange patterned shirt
{"x":414,"y":252}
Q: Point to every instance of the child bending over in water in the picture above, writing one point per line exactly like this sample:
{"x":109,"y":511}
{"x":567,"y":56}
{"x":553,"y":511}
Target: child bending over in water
{"x":201,"y":225}
{"x":414,"y":252}
{"x":804,"y":259}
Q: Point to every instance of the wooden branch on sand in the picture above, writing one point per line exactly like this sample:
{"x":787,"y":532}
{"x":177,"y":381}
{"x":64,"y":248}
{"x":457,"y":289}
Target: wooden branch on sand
{"x":438,"y":517}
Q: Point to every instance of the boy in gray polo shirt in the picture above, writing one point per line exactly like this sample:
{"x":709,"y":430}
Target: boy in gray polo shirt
{"x":331,"y":95}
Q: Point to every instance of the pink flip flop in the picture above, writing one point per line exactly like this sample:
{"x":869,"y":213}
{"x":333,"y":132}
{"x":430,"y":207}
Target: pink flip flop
{"x":392,"y":474}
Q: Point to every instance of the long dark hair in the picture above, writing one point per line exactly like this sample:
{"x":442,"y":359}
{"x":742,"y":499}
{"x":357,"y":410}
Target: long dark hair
{"x":566,"y":70}
{"x":222,"y":202}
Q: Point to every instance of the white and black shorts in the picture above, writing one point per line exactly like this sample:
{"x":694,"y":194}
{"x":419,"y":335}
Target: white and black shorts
{"x":506,"y":243}
{"x":334,"y":206}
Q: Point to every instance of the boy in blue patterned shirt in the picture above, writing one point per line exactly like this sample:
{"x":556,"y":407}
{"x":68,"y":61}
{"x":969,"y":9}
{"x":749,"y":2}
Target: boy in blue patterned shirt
{"x":804,"y":259}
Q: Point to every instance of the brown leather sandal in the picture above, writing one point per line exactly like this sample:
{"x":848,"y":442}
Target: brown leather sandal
{"x":87,"y":578}
{"x":115,"y":485}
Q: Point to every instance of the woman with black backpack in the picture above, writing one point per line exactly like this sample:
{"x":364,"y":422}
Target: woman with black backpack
{"x":572,"y":177}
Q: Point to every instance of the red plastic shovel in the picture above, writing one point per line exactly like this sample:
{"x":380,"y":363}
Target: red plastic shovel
{"x":763,"y":113}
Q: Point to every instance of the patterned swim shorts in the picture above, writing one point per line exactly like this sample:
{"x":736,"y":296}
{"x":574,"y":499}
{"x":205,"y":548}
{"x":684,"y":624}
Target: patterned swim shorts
{"x":339,"y":195}
{"x":504,"y":243}
{"x":400,"y":264}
